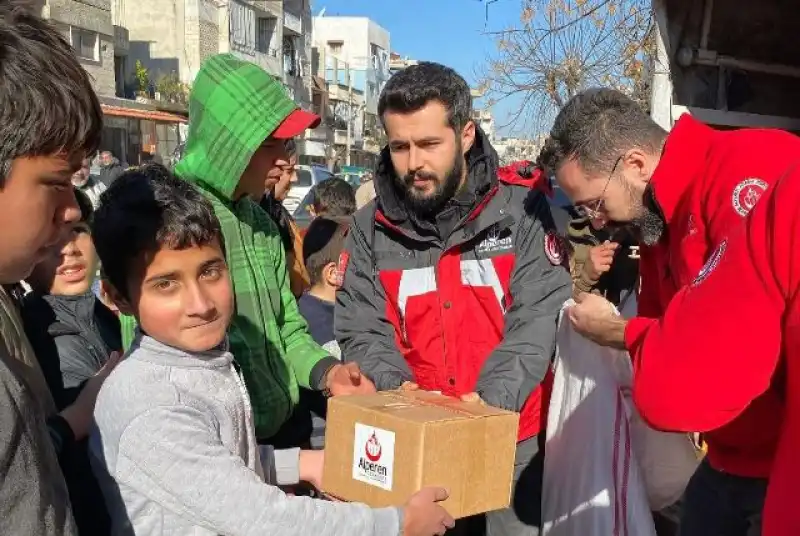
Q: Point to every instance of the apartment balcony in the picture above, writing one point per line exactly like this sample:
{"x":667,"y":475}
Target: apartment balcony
{"x":293,"y":23}
{"x":320,"y":133}
{"x":273,"y":7}
{"x":371,"y":145}
{"x":337,"y":92}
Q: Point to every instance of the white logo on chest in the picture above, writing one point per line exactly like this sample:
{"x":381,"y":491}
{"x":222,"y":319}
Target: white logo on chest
{"x":493,"y":243}
{"x":746,"y":195}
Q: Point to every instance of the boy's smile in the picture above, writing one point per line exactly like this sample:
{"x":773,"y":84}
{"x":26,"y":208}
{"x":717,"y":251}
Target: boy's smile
{"x":183,"y":297}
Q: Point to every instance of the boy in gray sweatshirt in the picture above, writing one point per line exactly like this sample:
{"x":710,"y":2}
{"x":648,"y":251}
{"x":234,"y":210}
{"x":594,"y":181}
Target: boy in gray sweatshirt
{"x":174,"y":447}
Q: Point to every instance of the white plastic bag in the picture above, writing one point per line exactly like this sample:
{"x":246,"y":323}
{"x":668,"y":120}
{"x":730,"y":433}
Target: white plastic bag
{"x":604,"y":469}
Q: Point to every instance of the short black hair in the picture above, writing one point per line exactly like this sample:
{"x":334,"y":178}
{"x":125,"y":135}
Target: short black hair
{"x":144,"y":210}
{"x":322,"y":244}
{"x":85,"y":204}
{"x":596,"y":127}
{"x":47,"y":104}
{"x":412,"y":88}
{"x":334,"y":197}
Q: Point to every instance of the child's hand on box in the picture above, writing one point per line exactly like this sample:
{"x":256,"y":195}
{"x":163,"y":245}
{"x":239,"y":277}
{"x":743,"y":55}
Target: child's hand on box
{"x":311,"y":463}
{"x":422,"y":516}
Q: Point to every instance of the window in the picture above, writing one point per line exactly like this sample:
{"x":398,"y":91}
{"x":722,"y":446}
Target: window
{"x":304,"y":178}
{"x":266,"y":31}
{"x":85,"y":43}
{"x":243,"y":27}
{"x":316,"y":104}
{"x":290,"y":66}
{"x":335,"y":46}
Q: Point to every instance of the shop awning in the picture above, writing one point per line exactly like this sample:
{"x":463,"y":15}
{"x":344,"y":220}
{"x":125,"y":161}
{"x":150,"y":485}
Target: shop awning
{"x":151,"y":115}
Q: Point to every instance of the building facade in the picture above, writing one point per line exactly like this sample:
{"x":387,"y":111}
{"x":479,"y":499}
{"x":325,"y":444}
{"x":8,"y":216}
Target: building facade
{"x":87,"y":25}
{"x":170,"y":39}
{"x":133,"y":131}
{"x":352,"y":55}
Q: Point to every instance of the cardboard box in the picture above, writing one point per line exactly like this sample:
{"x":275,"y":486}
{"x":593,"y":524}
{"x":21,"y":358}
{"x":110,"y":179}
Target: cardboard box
{"x":382,"y":448}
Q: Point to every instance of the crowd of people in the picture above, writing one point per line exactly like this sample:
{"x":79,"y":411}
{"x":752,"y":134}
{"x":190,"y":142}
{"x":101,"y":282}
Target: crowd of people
{"x":170,"y":336}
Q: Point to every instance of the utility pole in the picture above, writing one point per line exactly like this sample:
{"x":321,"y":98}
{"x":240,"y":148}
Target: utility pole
{"x":350,"y":118}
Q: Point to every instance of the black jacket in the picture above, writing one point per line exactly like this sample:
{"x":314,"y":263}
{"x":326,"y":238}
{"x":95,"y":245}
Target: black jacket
{"x":466,"y":302}
{"x":73,"y":336}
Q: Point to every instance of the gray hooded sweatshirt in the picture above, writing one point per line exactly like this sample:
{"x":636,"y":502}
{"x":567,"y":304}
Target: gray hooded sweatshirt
{"x":175,"y":453}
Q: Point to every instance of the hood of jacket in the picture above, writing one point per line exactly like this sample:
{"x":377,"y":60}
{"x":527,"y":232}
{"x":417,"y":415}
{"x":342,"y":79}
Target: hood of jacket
{"x":481,"y":178}
{"x":233,"y":107}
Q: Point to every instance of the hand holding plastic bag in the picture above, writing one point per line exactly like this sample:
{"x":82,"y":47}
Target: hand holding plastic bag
{"x":605,"y":470}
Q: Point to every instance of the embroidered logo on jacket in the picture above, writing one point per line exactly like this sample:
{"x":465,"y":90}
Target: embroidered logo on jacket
{"x":341,"y":267}
{"x":711,"y":263}
{"x":746,"y":195}
{"x":494,"y":243}
{"x":554,"y":249}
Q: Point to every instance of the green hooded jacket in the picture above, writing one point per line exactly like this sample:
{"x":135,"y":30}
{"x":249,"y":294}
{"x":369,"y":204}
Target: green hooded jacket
{"x":235,"y":106}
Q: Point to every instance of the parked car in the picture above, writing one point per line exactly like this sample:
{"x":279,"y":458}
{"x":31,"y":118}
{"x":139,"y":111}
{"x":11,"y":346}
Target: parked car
{"x":307,"y":177}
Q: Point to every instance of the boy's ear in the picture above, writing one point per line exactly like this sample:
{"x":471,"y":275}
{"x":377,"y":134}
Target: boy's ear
{"x":123,"y":305}
{"x":331,"y":276}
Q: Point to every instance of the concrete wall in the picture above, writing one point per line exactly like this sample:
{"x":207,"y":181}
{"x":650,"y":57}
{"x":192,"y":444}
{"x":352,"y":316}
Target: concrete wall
{"x":93,"y":15}
{"x":353,"y":32}
{"x":155,"y":37}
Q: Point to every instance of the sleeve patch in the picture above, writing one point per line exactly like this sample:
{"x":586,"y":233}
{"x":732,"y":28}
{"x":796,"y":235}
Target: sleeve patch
{"x":746,"y":194}
{"x":341,"y":267}
{"x":554,"y":249}
{"x":711,"y":263}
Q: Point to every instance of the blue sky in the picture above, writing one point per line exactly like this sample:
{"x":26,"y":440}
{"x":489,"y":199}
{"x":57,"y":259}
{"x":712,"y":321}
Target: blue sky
{"x":451,"y":32}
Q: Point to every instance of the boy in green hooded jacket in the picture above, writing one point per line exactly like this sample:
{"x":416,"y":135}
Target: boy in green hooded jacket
{"x":239,"y":120}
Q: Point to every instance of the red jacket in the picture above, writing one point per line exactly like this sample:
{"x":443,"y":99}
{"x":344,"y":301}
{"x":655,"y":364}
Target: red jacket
{"x":476,"y":310}
{"x":705,"y":183}
{"x":738,"y":323}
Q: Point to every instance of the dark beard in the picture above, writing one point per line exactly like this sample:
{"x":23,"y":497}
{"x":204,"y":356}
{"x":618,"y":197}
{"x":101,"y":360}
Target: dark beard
{"x":649,"y":226}
{"x":430,"y":205}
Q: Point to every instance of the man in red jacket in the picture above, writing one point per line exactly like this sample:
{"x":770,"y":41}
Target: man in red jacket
{"x":685,"y":192}
{"x":738,"y":323}
{"x":453,"y":275}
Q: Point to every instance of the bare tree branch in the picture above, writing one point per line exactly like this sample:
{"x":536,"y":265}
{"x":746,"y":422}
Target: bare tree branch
{"x":560,"y":47}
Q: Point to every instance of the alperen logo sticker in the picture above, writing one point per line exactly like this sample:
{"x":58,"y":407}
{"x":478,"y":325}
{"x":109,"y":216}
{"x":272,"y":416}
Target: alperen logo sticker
{"x":746,"y":195}
{"x":711,"y":263}
{"x":373,"y":456}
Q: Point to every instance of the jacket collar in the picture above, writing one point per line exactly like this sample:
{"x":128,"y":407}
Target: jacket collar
{"x":682,"y":163}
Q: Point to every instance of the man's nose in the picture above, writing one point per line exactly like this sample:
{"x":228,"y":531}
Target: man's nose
{"x":70,"y":249}
{"x":414,"y":159}
{"x":70,"y":211}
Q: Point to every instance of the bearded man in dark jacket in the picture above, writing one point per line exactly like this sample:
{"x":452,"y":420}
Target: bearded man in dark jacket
{"x":453,"y":277}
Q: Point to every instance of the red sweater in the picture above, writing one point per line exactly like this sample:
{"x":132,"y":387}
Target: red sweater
{"x":705,"y":184}
{"x":739,"y":325}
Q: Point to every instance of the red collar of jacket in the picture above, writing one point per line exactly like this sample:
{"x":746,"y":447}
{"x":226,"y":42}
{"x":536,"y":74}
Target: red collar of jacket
{"x":682,"y":162}
{"x":525,"y":173}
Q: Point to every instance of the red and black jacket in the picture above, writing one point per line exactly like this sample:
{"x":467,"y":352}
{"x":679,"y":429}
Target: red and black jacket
{"x":475,"y":311}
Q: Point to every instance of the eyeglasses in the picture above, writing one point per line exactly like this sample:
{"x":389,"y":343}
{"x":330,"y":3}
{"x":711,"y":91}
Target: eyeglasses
{"x":592,"y":210}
